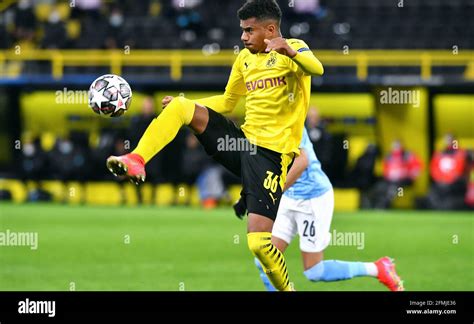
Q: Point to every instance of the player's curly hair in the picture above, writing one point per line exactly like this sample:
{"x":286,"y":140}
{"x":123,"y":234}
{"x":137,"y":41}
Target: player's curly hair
{"x":261,"y":10}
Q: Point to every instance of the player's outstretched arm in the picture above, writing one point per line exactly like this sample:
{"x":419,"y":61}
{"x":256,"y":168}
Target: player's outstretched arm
{"x":299,"y":165}
{"x":308,"y":63}
{"x":299,"y":52}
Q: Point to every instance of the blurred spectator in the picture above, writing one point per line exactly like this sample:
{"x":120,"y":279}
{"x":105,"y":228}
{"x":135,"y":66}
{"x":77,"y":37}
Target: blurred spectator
{"x":140,"y":8}
{"x":4,"y":35}
{"x":105,"y":147}
{"x":86,"y":9}
{"x":33,"y":161}
{"x":448,"y":170}
{"x":197,"y":167}
{"x":185,"y":4}
{"x":401,"y":166}
{"x":138,"y":125}
{"x":195,"y":159}
{"x":320,"y":138}
{"x":400,"y":169}
{"x":162,"y":168}
{"x":54,"y":32}
{"x":328,"y":147}
{"x":469,"y":197}
{"x":140,"y":122}
{"x":25,"y":21}
{"x":117,"y":35}
{"x":309,"y":8}
{"x":362,"y":176}
{"x":69,"y":158}
{"x":93,"y":24}
{"x":188,"y":19}
{"x":155,"y":20}
{"x":302,"y":19}
{"x":34,"y":165}
{"x":119,"y":147}
{"x":211,"y":186}
{"x":448,"y":166}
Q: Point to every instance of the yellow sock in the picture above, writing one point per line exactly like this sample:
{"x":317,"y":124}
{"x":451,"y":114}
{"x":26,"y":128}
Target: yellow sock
{"x":271,"y":259}
{"x":164,"y":128}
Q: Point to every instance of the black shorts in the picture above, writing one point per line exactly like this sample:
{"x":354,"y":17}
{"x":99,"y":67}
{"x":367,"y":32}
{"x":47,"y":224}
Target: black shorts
{"x":262,"y":171}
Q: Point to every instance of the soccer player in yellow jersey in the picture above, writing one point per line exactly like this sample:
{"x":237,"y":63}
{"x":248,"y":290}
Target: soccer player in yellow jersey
{"x":274,"y":74}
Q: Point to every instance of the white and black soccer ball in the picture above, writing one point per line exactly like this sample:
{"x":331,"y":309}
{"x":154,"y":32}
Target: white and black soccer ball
{"x":110,"y":95}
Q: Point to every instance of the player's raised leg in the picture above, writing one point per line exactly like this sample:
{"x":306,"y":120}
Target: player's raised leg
{"x":161,"y":131}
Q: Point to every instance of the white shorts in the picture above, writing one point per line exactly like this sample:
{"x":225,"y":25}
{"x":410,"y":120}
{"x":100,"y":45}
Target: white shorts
{"x":310,"y":218}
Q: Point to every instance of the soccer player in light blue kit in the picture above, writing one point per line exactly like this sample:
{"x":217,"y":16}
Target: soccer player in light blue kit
{"x":306,"y":208}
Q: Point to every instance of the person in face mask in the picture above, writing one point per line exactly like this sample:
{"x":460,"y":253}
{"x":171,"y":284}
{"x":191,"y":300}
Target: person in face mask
{"x":68,"y":159}
{"x":33,"y":161}
{"x":54,"y":32}
{"x":400,"y":169}
{"x":25,"y":21}
{"x":115,"y":34}
{"x":401,"y":166}
{"x":449,"y":169}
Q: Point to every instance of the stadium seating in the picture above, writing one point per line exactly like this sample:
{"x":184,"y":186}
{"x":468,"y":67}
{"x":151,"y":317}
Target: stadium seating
{"x":130,"y":194}
{"x":56,"y":188}
{"x":354,"y":116}
{"x":16,"y":188}
{"x":356,"y":147}
{"x":357,"y":24}
{"x":146,"y":191}
{"x":346,"y":199}
{"x":405,"y":198}
{"x":75,"y":192}
{"x":113,"y":194}
{"x":164,"y":195}
{"x":103,"y":193}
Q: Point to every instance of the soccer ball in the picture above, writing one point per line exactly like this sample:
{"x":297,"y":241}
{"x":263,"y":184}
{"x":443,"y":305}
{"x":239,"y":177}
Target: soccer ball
{"x":110,"y":95}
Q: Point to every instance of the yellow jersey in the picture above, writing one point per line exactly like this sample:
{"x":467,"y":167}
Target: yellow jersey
{"x":277,"y":90}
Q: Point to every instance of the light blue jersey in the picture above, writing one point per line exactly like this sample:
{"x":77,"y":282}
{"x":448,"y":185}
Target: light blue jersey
{"x":313,"y":182}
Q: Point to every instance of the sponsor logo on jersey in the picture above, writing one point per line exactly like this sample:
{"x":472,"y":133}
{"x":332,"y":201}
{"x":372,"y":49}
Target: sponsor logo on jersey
{"x":265,"y":83}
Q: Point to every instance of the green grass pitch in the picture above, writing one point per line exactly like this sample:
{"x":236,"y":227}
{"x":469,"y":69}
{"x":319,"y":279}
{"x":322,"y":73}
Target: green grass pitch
{"x":172,"y":249}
